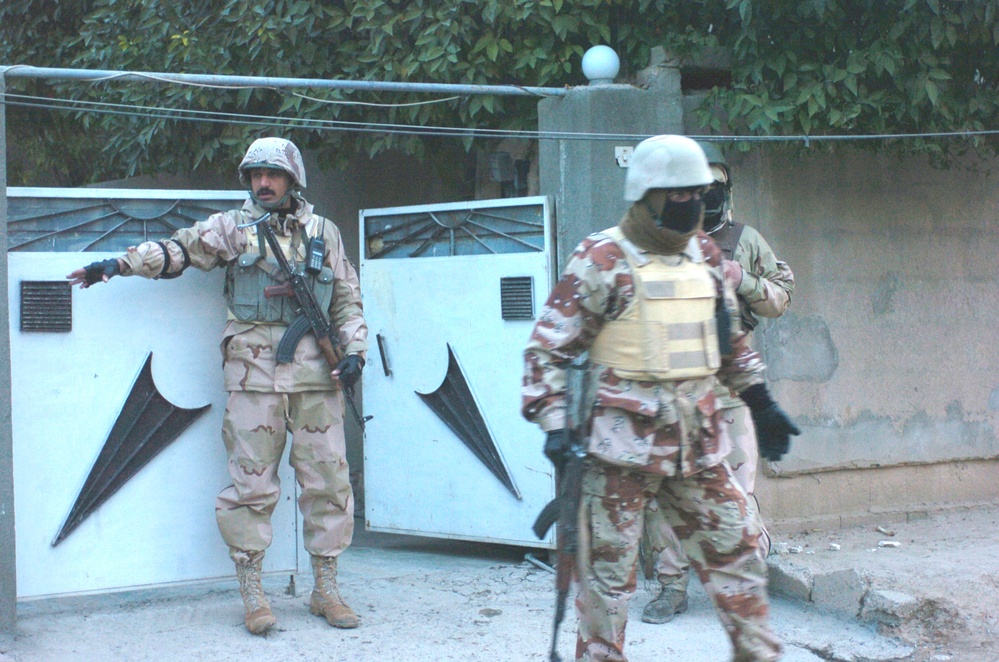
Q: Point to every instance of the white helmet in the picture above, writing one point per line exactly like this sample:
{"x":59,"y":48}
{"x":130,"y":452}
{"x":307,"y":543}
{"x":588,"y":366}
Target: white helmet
{"x":273,"y":153}
{"x":666,"y":162}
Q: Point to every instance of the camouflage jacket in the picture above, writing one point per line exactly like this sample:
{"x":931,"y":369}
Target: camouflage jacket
{"x":671,"y":426}
{"x":248,"y":349}
{"x":767,"y":283}
{"x":766,"y":287}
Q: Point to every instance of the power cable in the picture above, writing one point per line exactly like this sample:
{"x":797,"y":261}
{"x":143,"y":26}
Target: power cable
{"x":191,"y":115}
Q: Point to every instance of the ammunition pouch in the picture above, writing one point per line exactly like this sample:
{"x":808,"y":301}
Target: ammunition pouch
{"x":248,"y":275}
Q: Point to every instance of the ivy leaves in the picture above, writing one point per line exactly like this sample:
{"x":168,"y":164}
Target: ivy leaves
{"x":861,"y":67}
{"x":801,"y":67}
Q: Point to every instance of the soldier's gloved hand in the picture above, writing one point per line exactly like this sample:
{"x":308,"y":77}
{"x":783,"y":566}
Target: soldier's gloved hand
{"x":95,"y":272}
{"x":349,"y":370}
{"x":774,"y":427}
{"x":773,"y":432}
{"x":557,"y":448}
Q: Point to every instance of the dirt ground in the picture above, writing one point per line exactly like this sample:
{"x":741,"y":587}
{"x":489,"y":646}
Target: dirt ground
{"x":423,"y":600}
{"x":948,"y":562}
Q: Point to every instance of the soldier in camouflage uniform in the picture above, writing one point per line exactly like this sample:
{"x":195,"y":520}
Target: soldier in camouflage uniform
{"x":645,"y":299}
{"x":763,"y":285}
{"x":267,"y":399}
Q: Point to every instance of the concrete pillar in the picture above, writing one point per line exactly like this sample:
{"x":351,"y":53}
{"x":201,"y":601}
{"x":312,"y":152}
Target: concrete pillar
{"x":583,"y":175}
{"x":8,"y":574}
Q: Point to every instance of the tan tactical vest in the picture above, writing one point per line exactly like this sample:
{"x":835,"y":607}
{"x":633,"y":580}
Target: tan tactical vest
{"x":248,"y":275}
{"x":668,"y":330}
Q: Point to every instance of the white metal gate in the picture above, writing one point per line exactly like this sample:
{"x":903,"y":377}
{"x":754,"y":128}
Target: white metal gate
{"x":450,"y":296}
{"x":75,"y":356}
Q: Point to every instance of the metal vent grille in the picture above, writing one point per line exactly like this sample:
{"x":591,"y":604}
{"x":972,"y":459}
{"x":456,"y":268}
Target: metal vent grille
{"x":517,"y":296}
{"x":46,"y":306}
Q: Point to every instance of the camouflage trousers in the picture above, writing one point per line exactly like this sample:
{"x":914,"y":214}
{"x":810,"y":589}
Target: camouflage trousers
{"x":255,"y":430}
{"x":737,"y":424}
{"x":708,"y":513}
{"x":661,"y":546}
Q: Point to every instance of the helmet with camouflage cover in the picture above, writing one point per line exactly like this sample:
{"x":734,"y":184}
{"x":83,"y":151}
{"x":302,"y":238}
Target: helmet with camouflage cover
{"x":276,"y":153}
{"x":718,"y":200}
{"x":717,"y":162}
{"x":665,"y":162}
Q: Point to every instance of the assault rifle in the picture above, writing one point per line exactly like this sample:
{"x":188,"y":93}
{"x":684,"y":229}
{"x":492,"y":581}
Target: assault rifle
{"x":564,"y":508}
{"x":310,"y":317}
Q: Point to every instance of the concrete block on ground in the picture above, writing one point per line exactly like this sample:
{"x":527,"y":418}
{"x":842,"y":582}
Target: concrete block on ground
{"x":888,"y":607}
{"x":841,"y":591}
{"x":789,"y":580}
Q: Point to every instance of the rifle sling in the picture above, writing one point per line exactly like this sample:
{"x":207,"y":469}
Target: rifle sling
{"x":728,"y":238}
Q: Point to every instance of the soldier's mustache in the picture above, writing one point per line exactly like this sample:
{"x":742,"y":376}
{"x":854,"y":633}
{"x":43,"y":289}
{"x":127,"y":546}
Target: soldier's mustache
{"x":265,"y":191}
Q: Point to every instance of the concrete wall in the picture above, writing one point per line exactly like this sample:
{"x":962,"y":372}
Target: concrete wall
{"x":888,"y":355}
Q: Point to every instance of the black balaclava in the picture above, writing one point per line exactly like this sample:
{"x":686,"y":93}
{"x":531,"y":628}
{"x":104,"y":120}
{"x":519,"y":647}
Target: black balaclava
{"x":643,"y":224}
{"x":714,"y":207}
{"x":681,"y":217}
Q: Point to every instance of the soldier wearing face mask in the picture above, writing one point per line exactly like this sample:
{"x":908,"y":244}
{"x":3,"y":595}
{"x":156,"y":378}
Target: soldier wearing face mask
{"x":763,"y":286}
{"x":647,"y":300}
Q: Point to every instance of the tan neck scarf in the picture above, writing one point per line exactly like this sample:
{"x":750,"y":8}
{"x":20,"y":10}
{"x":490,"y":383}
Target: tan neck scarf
{"x":641,"y":229}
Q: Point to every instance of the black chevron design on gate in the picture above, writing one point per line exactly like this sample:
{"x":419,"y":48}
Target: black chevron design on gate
{"x":454,"y":404}
{"x":147,"y":424}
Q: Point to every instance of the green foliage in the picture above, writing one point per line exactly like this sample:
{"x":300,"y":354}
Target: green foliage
{"x":847,"y":67}
{"x":800,"y":67}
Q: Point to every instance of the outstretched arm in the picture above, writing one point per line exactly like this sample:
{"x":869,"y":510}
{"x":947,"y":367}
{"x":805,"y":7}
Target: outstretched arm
{"x":95,"y":272}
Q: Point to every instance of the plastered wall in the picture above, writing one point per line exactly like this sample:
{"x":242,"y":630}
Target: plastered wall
{"x":888,"y":355}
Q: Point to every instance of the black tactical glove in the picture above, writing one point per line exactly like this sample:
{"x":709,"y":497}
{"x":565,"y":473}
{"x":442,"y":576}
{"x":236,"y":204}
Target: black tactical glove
{"x":350,"y":370}
{"x":96,"y":271}
{"x":773,"y":426}
{"x":557,"y":448}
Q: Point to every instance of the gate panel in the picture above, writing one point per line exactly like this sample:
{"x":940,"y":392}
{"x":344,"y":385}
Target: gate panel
{"x":450,"y":295}
{"x":72,"y":378}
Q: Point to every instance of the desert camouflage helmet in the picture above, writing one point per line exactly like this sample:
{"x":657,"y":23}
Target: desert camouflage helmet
{"x":666,"y":162}
{"x":716,"y":160}
{"x":273,"y":153}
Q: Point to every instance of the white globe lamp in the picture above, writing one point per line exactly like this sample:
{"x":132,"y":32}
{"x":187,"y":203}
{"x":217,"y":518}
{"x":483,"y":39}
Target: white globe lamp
{"x":600,"y":65}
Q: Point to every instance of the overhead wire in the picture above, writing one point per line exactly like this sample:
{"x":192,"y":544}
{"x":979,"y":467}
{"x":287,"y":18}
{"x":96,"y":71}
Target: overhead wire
{"x":316,"y":124}
{"x":158,"y":112}
{"x":343,"y":102}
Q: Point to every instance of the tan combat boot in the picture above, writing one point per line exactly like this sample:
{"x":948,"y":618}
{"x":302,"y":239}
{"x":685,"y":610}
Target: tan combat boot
{"x":258,"y":615}
{"x":667,"y":604}
{"x":326,"y":600}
